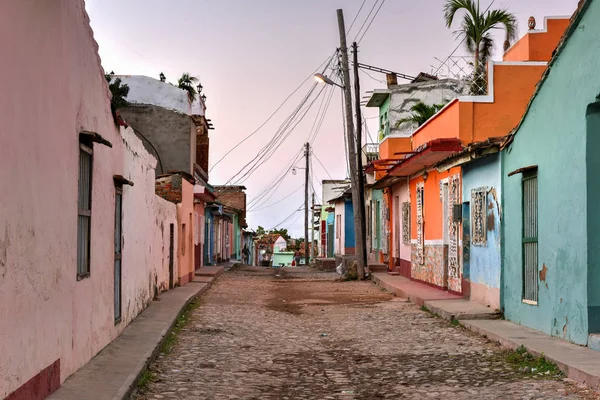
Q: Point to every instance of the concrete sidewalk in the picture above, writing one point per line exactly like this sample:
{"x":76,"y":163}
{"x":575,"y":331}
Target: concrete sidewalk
{"x":447,"y":305}
{"x":113,"y":373}
{"x":578,"y":363}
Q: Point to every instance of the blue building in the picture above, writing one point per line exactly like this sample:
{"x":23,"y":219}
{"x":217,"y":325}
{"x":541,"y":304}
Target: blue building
{"x":551,"y":223}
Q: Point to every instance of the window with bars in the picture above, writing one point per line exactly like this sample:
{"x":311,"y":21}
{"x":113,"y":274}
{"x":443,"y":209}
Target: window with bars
{"x":85,"y":208}
{"x":530,"y":238}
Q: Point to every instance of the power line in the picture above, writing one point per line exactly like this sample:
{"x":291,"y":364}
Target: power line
{"x":269,"y":187}
{"x":356,"y":16}
{"x":319,"y":161}
{"x":327,"y":61}
{"x":318,"y":129}
{"x":371,"y":76}
{"x":279,"y":201}
{"x":374,"y":16}
{"x":300,"y":208}
{"x":278,"y":139}
{"x":366,"y":19}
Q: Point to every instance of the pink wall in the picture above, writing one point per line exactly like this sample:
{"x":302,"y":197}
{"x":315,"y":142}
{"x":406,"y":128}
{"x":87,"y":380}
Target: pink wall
{"x":47,"y":316}
{"x":57,"y":88}
{"x":185,"y":216}
{"x":146,"y":220}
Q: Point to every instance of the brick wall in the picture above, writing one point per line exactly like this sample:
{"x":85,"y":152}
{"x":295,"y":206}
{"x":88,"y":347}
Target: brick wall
{"x":202,"y":146}
{"x":169,"y":188}
{"x":232,"y":197}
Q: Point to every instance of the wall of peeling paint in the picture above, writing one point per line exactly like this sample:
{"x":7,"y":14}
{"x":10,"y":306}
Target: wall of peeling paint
{"x":553,"y":137}
{"x":484,"y":264}
{"x":46,"y":314}
{"x":146,"y":237}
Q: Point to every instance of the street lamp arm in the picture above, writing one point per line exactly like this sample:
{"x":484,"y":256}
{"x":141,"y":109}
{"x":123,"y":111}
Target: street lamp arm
{"x":324,"y":79}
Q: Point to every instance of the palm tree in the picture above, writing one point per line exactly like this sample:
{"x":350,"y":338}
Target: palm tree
{"x":477,"y":27}
{"x":421,"y":112}
{"x":186,"y":82}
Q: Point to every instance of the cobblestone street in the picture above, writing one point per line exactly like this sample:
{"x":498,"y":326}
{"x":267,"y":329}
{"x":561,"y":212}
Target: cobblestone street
{"x":263,"y":333}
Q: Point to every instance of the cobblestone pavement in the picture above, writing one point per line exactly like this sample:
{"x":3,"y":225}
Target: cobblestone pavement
{"x":295,"y":333}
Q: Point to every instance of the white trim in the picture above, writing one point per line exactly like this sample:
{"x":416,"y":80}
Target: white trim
{"x":543,"y":30}
{"x":394,"y":136}
{"x":489,"y":98}
{"x":436,"y":242}
{"x":530,"y":302}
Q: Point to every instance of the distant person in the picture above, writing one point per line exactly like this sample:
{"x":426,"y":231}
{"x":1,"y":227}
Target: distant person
{"x":297,"y":257}
{"x":246,"y":254}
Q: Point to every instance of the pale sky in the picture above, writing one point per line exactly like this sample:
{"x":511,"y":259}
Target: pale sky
{"x":251,"y":54}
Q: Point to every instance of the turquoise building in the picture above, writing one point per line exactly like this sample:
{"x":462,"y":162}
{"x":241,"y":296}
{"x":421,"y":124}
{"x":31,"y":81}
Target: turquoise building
{"x":551,"y":225}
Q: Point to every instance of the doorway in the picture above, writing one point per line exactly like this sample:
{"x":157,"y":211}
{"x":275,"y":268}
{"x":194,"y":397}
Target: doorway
{"x":171,"y":246}
{"x":446,"y":233}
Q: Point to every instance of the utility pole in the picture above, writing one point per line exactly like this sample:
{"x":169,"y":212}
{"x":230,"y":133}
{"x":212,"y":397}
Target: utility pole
{"x":306,"y":254}
{"x":361,"y":179}
{"x":358,"y":207}
{"x":312,"y":226}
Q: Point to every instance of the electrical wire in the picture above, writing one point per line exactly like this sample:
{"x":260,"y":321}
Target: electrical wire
{"x":277,"y":140}
{"x":319,"y":161}
{"x":281,"y":132}
{"x":318,"y":129}
{"x":267,"y":191}
{"x":371,"y":76}
{"x":300,"y":208}
{"x":279,"y":201}
{"x":373,"y":19}
{"x":326,"y":62}
{"x":366,"y":19}
{"x":355,"y":17}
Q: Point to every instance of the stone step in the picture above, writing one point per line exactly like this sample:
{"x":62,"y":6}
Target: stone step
{"x":376,"y":267}
{"x":594,"y":341}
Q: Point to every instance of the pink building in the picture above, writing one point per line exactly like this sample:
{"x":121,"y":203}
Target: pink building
{"x":64,"y":279}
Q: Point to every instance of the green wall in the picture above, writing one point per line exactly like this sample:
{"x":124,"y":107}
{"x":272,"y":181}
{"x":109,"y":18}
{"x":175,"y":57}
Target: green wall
{"x":553,"y":137}
{"x":383,"y":115}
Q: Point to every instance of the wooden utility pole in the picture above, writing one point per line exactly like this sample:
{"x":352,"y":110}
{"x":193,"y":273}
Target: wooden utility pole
{"x":361,"y":179}
{"x":312,"y":226}
{"x":360,"y":249}
{"x":306,"y":254}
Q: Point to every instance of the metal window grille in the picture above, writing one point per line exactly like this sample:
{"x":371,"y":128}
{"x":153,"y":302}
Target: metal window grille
{"x":530,"y":239}
{"x":479,"y":216}
{"x":406,"y":222}
{"x":85,"y":210}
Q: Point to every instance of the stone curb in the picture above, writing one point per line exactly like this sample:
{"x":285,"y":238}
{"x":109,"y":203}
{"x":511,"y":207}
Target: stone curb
{"x":129,"y":387}
{"x":572,"y":372}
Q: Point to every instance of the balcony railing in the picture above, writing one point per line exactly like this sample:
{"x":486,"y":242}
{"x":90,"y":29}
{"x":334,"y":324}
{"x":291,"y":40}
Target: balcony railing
{"x":462,"y":68}
{"x":370,"y":152}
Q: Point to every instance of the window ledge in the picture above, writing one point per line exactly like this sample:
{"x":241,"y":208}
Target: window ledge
{"x":83,"y":276}
{"x":530,"y":302}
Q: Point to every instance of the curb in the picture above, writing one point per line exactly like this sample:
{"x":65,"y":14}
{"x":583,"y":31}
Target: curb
{"x":129,"y":388}
{"x":592,"y":381}
{"x":398,"y":292}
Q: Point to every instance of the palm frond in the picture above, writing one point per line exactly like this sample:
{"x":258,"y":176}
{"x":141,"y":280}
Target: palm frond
{"x":421,"y":112}
{"x":186,"y":82}
{"x":453,"y":6}
{"x":494,"y":18}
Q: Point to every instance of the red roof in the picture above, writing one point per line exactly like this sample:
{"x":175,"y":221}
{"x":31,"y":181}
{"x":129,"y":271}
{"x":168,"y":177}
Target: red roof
{"x":427,"y":155}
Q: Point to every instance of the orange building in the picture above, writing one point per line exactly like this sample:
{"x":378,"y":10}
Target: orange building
{"x":432,"y":159}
